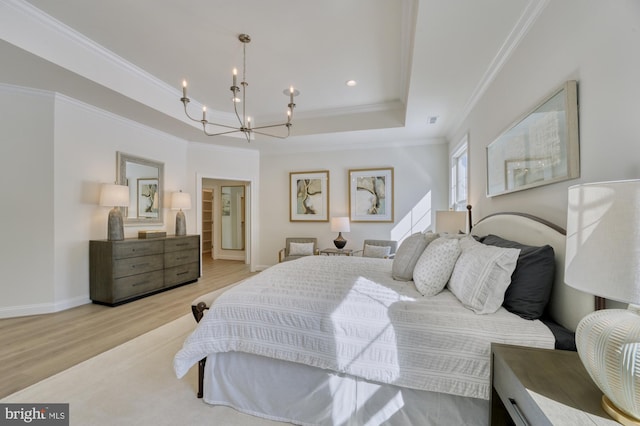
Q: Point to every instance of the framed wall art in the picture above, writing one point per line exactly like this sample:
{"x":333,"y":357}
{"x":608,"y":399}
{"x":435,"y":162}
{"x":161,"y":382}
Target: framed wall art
{"x":147,"y":198}
{"x":371,"y":195}
{"x":538,"y":149}
{"x":309,"y":196}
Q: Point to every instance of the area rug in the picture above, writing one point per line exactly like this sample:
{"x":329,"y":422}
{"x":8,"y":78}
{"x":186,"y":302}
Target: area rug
{"x":134,"y":384}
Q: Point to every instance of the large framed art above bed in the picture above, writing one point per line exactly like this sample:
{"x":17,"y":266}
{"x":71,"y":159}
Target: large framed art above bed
{"x":353,"y":341}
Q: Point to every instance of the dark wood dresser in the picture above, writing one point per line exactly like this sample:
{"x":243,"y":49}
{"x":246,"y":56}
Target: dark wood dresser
{"x":122,"y":271}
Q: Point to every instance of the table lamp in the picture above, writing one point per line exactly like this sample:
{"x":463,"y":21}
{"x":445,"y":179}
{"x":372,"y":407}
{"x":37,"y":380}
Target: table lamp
{"x":115,"y":196}
{"x":180,"y":201}
{"x":451,"y":222}
{"x":340,"y":225}
{"x":603,"y":258}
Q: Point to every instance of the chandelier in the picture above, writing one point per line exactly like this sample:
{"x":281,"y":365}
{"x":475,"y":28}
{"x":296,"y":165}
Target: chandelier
{"x":239,"y":96}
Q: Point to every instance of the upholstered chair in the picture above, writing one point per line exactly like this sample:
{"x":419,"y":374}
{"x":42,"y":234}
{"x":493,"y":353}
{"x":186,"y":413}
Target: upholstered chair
{"x":297,"y":247}
{"x":379,"y":248}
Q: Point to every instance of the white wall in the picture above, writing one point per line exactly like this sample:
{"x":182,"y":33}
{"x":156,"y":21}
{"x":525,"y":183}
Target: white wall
{"x":419,"y":171}
{"x":55,"y":153}
{"x":592,"y":41}
{"x":26,"y":172}
{"x":86,"y":141}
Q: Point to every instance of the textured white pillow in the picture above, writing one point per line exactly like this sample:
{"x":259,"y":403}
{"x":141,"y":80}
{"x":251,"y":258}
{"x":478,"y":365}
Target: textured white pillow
{"x":482,"y":274}
{"x":376,"y":251}
{"x":300,"y":249}
{"x":408,"y":254}
{"x":435,"y":265}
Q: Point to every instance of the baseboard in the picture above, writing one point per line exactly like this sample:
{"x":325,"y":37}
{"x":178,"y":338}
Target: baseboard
{"x":71,"y":303}
{"x":42,"y":308}
{"x":230,"y":257}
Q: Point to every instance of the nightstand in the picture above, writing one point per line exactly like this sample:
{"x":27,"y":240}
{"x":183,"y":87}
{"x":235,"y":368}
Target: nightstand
{"x":532,"y":386}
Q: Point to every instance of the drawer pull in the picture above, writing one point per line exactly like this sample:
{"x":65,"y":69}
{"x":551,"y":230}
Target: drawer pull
{"x":523,"y":419}
{"x":140,"y":283}
{"x":139,"y":265}
{"x":182,"y":244}
{"x":182,"y":273}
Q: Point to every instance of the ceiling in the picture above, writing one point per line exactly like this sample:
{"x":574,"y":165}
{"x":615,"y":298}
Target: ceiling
{"x":412,"y":60}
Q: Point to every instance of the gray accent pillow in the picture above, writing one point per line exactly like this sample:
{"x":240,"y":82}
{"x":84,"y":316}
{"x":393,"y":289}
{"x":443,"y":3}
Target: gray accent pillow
{"x":532,"y":280}
{"x":408,"y":254}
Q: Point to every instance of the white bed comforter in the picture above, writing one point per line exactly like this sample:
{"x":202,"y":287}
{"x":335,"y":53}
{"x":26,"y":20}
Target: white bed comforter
{"x":348,"y":315}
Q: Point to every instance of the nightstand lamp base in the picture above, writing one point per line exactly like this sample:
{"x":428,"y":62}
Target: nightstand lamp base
{"x":607,"y":343}
{"x":616,"y":414}
{"x":340,"y":242}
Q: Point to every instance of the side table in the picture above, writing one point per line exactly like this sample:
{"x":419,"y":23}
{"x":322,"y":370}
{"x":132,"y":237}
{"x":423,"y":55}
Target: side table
{"x":336,"y":252}
{"x":531,"y":386}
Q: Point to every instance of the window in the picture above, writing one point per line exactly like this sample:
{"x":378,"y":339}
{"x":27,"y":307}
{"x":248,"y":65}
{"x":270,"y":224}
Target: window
{"x":459,"y":176}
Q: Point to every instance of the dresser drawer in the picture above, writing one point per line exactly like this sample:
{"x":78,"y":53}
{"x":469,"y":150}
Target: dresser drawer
{"x":120,"y":271}
{"x":181,"y":274}
{"x":137,"y":265}
{"x":176,"y":258}
{"x":182,"y":243}
{"x":136,"y":285}
{"x":137,"y":248}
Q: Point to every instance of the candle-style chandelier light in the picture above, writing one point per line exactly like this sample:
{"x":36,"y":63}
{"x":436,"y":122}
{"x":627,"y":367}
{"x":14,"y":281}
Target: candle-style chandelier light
{"x":243,"y":120}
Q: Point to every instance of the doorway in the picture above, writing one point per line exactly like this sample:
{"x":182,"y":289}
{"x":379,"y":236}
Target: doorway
{"x":224,"y":219}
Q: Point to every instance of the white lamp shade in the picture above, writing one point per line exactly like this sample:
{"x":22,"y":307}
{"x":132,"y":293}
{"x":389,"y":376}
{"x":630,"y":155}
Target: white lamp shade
{"x":603,"y":258}
{"x":113,"y":195}
{"x":340,"y":224}
{"x":180,"y":201}
{"x":451,"y":222}
{"x":603,"y":240}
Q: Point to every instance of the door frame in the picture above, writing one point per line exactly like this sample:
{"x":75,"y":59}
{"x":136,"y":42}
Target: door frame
{"x":250,"y":189}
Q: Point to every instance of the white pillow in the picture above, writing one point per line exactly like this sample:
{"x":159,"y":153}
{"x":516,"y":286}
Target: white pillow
{"x":404,"y":262}
{"x":435,"y":265}
{"x":376,"y":251}
{"x":482,"y":274}
{"x":300,"y":249}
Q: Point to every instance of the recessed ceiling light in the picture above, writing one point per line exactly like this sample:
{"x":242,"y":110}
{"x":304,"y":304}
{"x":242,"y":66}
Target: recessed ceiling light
{"x":351,"y":83}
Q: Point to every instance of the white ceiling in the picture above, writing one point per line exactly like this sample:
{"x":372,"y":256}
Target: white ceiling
{"x":412,"y":60}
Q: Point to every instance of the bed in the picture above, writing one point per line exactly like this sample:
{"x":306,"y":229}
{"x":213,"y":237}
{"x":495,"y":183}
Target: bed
{"x":351,"y":345}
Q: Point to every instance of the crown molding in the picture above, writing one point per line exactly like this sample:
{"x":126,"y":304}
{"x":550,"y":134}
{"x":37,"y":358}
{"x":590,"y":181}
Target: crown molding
{"x":407,"y":45}
{"x":12,"y":88}
{"x":33,"y":14}
{"x":94,"y":110}
{"x":528,"y":18}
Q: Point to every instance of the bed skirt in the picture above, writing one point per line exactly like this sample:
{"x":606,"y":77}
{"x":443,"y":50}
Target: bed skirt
{"x":304,"y":395}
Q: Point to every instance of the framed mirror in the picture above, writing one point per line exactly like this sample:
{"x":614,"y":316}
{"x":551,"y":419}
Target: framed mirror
{"x":145,"y":179}
{"x":232,"y":217}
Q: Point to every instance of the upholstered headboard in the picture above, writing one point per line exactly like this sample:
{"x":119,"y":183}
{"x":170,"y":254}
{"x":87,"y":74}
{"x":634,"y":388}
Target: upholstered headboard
{"x":567,"y":305}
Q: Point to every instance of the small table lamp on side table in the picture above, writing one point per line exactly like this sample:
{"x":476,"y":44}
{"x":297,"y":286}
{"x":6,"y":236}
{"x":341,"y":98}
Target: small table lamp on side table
{"x":180,"y":201}
{"x":451,"y":222}
{"x":116,"y":196}
{"x":603,"y":258}
{"x":340,"y":225}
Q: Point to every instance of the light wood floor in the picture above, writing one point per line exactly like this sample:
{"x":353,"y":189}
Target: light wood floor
{"x":39,"y":346}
